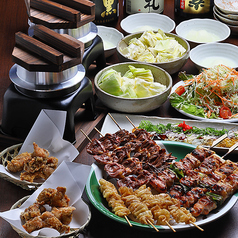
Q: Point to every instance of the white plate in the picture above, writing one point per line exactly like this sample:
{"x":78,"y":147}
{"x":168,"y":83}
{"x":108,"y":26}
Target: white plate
{"x":227,"y":6}
{"x":110,"y":127}
{"x":92,"y":185}
{"x":196,"y":117}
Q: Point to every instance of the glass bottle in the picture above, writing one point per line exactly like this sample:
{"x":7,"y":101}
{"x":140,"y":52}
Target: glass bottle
{"x":106,"y":11}
{"x":187,"y":9}
{"x":136,"y":6}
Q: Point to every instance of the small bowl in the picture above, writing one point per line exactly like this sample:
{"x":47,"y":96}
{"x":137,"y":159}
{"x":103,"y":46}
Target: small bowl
{"x":215,"y":30}
{"x":227,"y":6}
{"x":147,"y":21}
{"x":171,"y":67}
{"x":135,"y":105}
{"x":208,"y":55}
{"x":110,"y":37}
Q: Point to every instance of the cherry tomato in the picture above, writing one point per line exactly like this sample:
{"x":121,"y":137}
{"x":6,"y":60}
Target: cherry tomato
{"x":180,"y":90}
{"x":225,"y":112}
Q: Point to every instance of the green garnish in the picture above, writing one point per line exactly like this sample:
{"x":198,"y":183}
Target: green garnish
{"x":161,"y":129}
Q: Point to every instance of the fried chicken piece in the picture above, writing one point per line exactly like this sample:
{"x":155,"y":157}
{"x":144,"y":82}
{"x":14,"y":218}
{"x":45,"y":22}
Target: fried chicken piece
{"x":32,"y":211}
{"x":33,"y":224}
{"x":49,"y":168}
{"x":64,"y":214}
{"x":50,"y":220}
{"x":34,"y":164}
{"x":17,"y":163}
{"x":39,"y":152}
{"x":47,"y":219}
{"x":53,"y":197}
{"x":30,"y":177}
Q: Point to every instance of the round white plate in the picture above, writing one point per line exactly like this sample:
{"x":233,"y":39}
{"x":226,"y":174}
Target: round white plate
{"x":196,"y":117}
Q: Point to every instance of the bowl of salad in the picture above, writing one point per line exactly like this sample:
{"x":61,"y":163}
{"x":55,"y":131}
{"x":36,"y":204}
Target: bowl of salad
{"x":165,"y":50}
{"x":133,"y":87}
{"x":210,"y":95}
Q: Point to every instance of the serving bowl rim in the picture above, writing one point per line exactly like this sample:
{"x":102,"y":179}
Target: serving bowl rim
{"x":150,"y":14}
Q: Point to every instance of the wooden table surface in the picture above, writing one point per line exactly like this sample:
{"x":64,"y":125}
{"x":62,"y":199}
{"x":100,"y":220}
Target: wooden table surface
{"x":100,"y":225}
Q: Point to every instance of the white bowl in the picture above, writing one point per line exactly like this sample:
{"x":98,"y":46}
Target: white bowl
{"x":110,"y":37}
{"x":147,"y":21}
{"x":208,"y":55}
{"x":227,"y":6}
{"x":135,"y":105}
{"x":212,"y":30}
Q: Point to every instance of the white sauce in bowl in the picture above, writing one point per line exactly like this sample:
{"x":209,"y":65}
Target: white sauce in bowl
{"x":202,"y":36}
{"x":214,"y":60}
{"x":108,"y":45}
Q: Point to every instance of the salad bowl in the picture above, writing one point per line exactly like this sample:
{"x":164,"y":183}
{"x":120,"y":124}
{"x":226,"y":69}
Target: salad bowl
{"x":172,"y":66}
{"x":134,"y":105}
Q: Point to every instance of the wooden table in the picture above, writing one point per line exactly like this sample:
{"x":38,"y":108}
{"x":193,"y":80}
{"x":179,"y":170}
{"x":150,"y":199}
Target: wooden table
{"x":100,"y":225}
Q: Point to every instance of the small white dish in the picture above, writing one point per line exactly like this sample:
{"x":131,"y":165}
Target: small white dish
{"x":147,"y":21}
{"x":226,"y":15}
{"x":227,"y":6}
{"x":199,"y":31}
{"x":209,"y":55}
{"x":110,"y":37}
{"x":222,"y":17}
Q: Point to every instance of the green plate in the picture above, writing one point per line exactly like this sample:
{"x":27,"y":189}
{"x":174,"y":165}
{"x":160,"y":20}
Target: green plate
{"x":177,"y":149}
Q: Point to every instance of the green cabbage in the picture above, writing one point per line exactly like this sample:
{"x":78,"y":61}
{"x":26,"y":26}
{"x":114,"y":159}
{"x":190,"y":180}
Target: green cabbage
{"x":135,"y":83}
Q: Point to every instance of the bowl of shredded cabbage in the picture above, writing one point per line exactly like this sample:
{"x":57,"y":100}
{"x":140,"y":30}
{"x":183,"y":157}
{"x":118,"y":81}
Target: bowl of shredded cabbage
{"x":133,"y":87}
{"x":165,"y":50}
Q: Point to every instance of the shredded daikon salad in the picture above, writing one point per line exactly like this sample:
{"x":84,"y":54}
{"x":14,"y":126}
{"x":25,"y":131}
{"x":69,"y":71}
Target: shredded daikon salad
{"x":211,"y":94}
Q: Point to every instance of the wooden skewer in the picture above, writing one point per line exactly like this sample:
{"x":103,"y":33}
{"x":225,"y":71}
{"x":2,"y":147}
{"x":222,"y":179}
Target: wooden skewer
{"x":98,"y":131}
{"x":197,"y":226}
{"x":114,"y":121}
{"x":130,"y":122}
{"x":170,"y":226}
{"x":152,"y":225}
{"x":217,"y":141}
{"x":86,"y":135}
{"x":230,"y":150}
{"x":128,"y":221}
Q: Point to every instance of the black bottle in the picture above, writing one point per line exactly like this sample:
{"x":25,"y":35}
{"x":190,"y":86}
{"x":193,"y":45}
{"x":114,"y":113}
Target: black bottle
{"x":188,"y":9}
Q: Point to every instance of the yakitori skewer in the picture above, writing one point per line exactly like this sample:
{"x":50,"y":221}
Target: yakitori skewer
{"x":85,"y":135}
{"x":99,"y":132}
{"x":130,"y":122}
{"x":115,"y":121}
{"x":91,"y":141}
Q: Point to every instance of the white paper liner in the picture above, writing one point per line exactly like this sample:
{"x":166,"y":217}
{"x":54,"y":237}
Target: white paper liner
{"x":71,"y":175}
{"x":47,"y":132}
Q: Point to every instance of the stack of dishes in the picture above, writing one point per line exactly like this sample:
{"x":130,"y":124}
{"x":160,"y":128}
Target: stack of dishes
{"x":227,"y":12}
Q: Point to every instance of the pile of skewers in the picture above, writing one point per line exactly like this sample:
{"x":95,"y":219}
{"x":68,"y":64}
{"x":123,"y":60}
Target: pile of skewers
{"x":193,"y":186}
